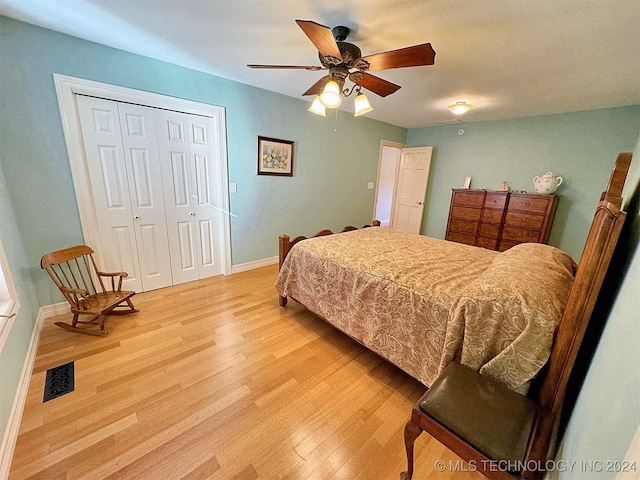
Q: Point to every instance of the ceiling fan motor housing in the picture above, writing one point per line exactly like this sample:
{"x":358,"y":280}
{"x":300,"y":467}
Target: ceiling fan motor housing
{"x":349,"y":52}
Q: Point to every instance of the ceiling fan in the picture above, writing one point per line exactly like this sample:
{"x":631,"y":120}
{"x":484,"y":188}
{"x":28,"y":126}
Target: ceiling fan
{"x":344,"y":60}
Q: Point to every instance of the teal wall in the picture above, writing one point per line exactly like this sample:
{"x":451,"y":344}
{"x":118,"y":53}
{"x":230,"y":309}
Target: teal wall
{"x":580,"y":147}
{"x":12,"y":356}
{"x":39,"y":213}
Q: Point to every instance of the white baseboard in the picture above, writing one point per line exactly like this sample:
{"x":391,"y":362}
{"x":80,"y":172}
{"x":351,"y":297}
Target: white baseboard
{"x":13,"y":424}
{"x":53,"y":310}
{"x":243,"y":267}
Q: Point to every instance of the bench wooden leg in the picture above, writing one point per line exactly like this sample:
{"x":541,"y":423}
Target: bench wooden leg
{"x":411,"y":433}
{"x":282,"y":301}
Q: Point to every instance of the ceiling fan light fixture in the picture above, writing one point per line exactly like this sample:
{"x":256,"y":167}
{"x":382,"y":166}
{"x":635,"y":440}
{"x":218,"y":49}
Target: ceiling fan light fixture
{"x":460,"y":107}
{"x":317,"y":107}
{"x":362,"y":105}
{"x":330,"y":96}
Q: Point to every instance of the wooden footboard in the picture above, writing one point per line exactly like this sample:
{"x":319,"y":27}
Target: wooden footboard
{"x":285,"y":244}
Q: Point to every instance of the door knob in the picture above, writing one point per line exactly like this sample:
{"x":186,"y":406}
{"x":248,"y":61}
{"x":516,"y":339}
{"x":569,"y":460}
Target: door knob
{"x":420,"y":203}
{"x":192,"y":214}
{"x":136,"y":217}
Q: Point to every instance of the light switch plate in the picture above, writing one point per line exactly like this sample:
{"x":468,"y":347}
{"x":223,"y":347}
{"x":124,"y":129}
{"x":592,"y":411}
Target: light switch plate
{"x":370,"y":186}
{"x":233,"y":187}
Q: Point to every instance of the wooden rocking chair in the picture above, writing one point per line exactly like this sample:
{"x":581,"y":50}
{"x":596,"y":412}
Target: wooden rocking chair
{"x":75,"y":273}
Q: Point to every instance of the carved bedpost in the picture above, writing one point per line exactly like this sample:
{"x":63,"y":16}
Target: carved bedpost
{"x":283,"y":247}
{"x":283,"y":250}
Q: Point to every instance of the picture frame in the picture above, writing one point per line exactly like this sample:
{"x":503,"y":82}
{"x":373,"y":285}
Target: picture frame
{"x":467,"y":182}
{"x":275,"y":157}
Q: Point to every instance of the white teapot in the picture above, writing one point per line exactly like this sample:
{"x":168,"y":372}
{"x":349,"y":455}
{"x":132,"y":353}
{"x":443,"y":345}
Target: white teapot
{"x":547,"y":183}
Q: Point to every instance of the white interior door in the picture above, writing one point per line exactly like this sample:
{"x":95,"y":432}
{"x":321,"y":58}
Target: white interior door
{"x":411,"y":189}
{"x":208,"y":214}
{"x":177,"y":176}
{"x":138,"y":126}
{"x":109,"y":184}
{"x":188,"y":171}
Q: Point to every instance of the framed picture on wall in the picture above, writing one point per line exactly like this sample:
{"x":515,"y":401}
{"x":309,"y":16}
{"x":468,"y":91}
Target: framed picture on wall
{"x":275,"y":157}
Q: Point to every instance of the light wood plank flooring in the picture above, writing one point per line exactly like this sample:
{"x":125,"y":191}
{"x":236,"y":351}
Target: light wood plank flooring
{"x":213,"y":380}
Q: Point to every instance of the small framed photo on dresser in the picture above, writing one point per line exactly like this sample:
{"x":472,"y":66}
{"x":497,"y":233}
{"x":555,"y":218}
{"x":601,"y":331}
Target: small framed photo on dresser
{"x":467,"y":182}
{"x":275,"y":157}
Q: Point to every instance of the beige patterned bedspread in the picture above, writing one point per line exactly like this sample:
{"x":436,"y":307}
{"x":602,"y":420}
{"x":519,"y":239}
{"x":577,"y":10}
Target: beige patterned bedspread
{"x":420,"y":302}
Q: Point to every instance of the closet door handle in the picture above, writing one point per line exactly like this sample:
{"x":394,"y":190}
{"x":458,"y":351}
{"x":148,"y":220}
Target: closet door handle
{"x":191,"y":214}
{"x":136,"y":217}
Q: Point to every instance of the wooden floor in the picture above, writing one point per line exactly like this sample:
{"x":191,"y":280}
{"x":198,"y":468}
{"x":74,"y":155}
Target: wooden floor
{"x":212,"y":379}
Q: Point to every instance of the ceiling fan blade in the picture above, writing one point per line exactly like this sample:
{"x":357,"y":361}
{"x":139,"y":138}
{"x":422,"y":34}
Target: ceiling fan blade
{"x":377,"y":85}
{"x":316,"y":88}
{"x":415,"y":56}
{"x":321,"y":37}
{"x":289,"y":67}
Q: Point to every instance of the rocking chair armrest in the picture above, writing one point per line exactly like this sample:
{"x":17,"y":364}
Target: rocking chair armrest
{"x":75,"y":291}
{"x":113,"y":274}
{"x":119,"y":275}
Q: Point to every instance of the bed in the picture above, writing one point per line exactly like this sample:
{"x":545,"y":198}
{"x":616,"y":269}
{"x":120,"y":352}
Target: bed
{"x":422,"y":302}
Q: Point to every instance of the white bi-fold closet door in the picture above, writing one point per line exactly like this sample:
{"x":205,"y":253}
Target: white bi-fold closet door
{"x":152,"y":178}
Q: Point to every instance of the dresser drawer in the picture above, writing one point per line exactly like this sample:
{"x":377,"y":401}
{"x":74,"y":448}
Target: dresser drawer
{"x":490,"y":243}
{"x":526,"y":220}
{"x":466,"y":213}
{"x":520,"y":234}
{"x":530,"y":203}
{"x":492,"y":216}
{"x":489,"y":230}
{"x":471,"y":198}
{"x":461,"y":238}
{"x":462,"y":226}
{"x":495,"y":200}
{"x":506,"y":245}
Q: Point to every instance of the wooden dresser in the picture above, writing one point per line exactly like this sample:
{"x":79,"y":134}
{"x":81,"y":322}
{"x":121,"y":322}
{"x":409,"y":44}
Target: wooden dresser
{"x":499,"y":220}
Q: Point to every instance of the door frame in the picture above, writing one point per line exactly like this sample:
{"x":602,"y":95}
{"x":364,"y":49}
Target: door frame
{"x":68,"y":87}
{"x":386,"y":143}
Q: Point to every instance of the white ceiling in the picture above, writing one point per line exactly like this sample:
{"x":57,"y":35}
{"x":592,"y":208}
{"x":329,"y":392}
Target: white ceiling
{"x":509,"y":58}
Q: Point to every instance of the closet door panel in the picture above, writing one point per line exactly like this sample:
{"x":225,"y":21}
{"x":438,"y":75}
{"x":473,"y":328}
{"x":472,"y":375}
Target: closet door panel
{"x":179,"y":199}
{"x":105,"y":160}
{"x":207,"y":255}
{"x":208,"y":213}
{"x":146,"y":192}
{"x":180,"y":180}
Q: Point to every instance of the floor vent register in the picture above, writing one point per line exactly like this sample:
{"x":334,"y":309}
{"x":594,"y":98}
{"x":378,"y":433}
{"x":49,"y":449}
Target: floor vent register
{"x":59,"y":381}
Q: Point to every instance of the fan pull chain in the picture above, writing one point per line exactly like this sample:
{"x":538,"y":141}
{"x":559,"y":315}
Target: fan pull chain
{"x":335,"y":123}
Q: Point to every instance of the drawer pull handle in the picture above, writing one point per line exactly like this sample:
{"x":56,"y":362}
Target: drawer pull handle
{"x":465,"y":212}
{"x":527,"y":203}
{"x":523,"y":220}
{"x":520,"y":235}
